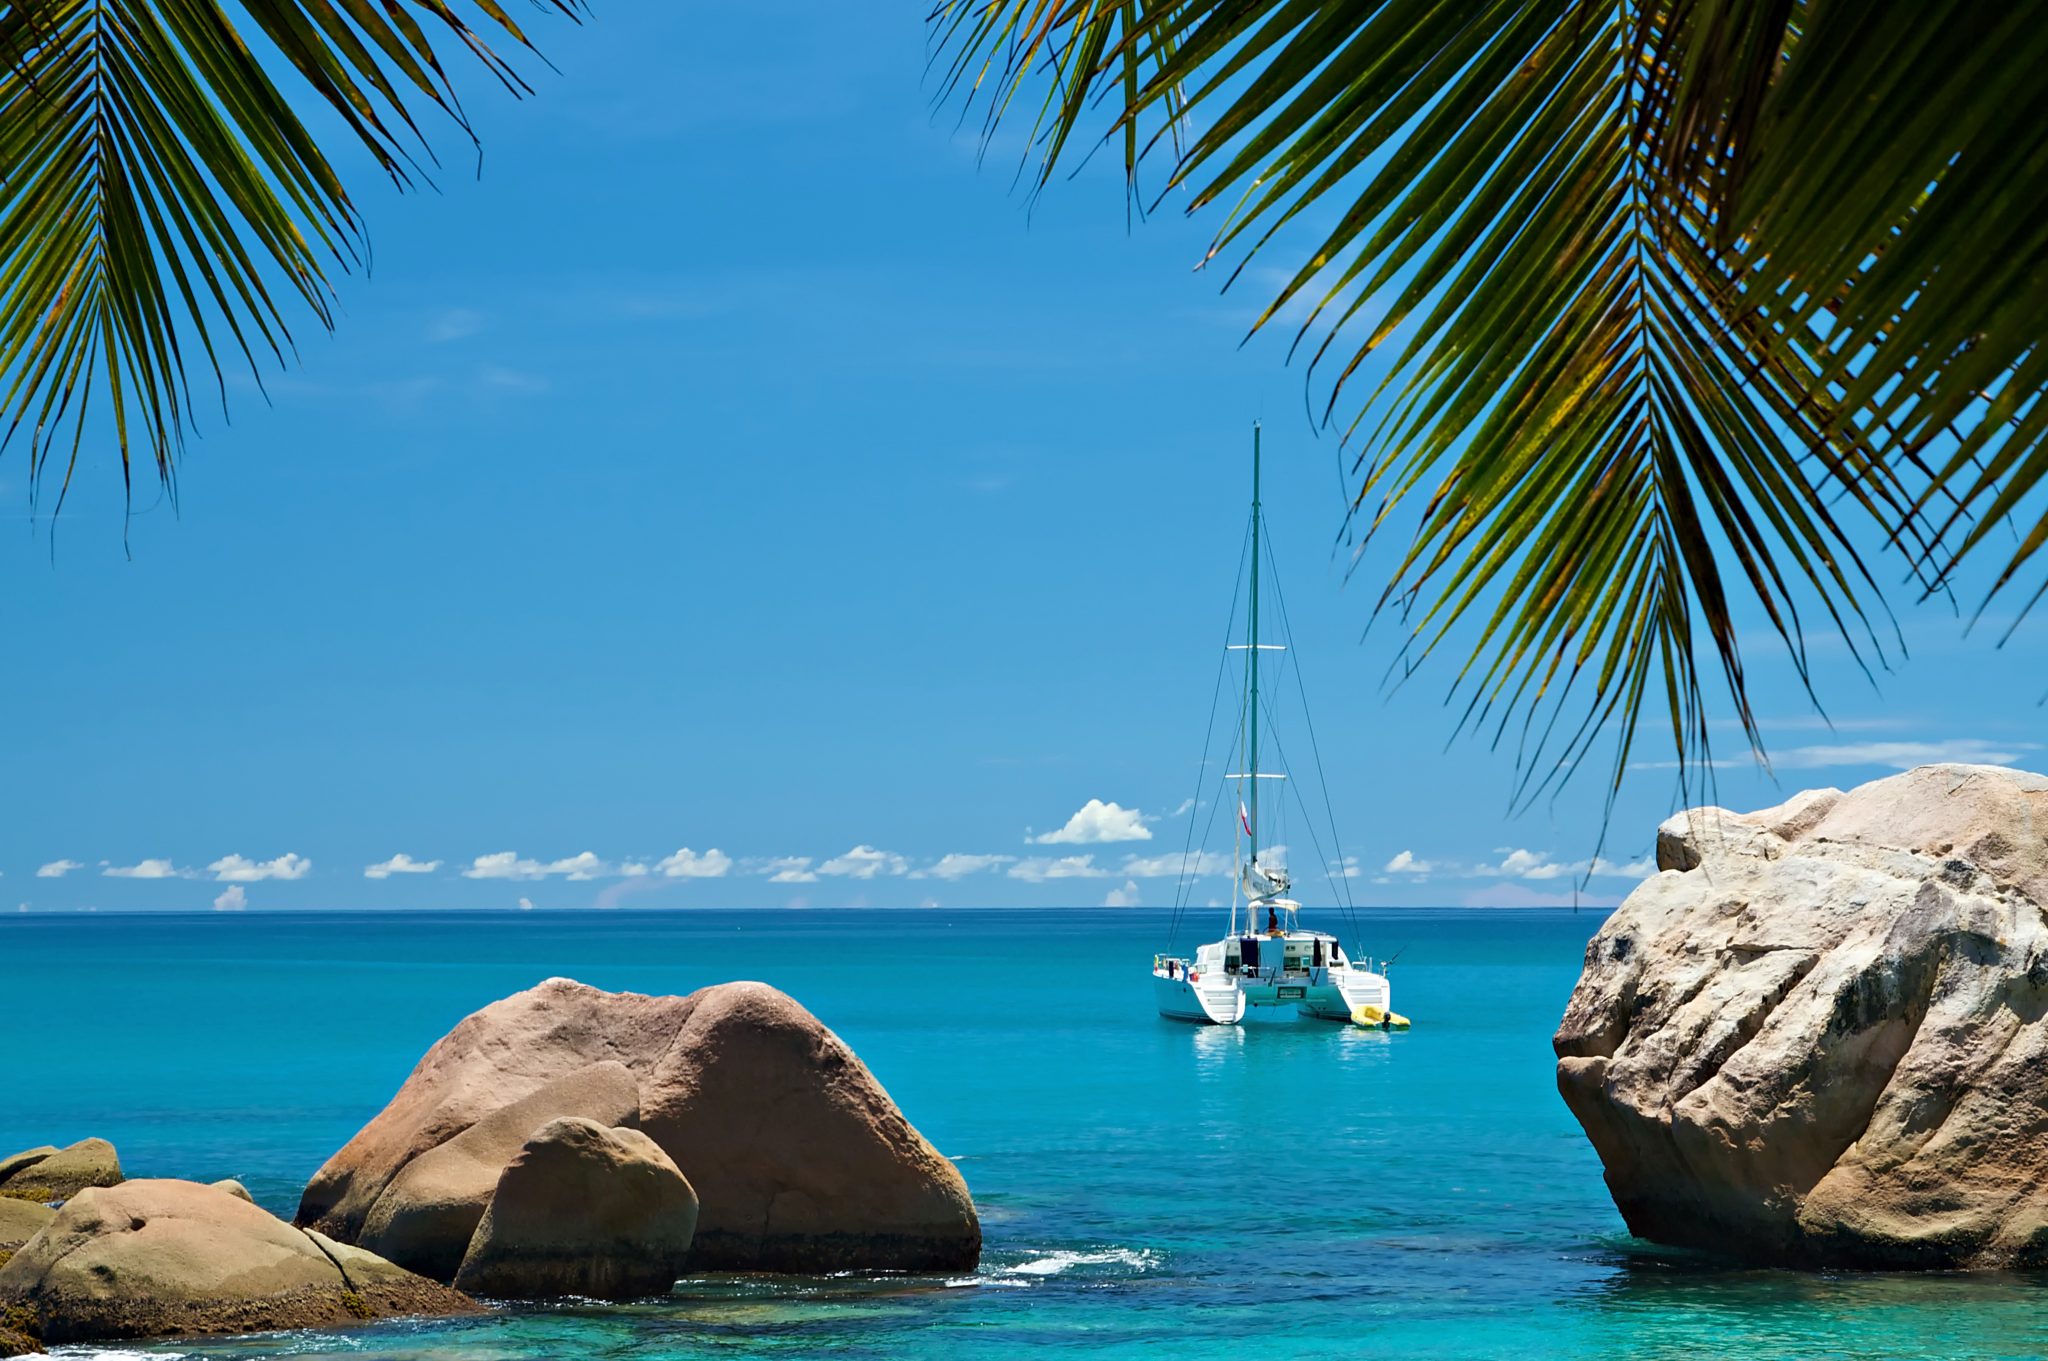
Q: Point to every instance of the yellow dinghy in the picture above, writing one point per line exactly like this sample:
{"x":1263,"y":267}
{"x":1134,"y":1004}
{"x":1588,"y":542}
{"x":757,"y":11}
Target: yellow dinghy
{"x":1378,"y":1018}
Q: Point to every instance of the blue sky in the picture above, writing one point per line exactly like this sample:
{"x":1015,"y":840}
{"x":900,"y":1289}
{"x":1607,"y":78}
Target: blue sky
{"x":737,"y":496}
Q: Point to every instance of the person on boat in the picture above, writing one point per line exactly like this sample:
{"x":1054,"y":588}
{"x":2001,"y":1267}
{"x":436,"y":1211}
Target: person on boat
{"x":1272,"y":920}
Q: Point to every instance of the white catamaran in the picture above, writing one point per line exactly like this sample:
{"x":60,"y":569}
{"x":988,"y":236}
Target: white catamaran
{"x":1266,"y":958}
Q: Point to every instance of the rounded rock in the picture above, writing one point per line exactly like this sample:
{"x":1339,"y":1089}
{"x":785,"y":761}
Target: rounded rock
{"x":583,"y":1210}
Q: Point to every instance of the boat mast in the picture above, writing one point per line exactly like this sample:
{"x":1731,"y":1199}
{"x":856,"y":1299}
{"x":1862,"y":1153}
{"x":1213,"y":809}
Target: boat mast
{"x":1252,"y":754}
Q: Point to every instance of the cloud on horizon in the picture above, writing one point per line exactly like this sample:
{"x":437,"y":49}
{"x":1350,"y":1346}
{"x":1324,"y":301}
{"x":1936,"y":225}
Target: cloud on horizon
{"x":1196,"y":864}
{"x":1097,"y":822}
{"x":239,"y":869}
{"x":789,"y":869}
{"x":1039,"y":868}
{"x":864,"y":862}
{"x":511,"y":865}
{"x":154,"y":868}
{"x":399,"y":864}
{"x":954,"y":866}
{"x":687,"y":864}
{"x":57,"y":869}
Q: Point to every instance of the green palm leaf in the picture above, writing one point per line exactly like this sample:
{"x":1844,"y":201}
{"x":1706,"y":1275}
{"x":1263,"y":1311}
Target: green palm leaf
{"x":161,"y":205}
{"x":1656,"y":290}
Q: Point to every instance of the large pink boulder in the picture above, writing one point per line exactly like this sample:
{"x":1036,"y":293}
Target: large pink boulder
{"x":800,"y":1160}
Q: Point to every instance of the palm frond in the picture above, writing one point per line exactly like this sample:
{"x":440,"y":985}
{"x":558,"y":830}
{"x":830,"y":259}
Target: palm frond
{"x":1649,"y":292}
{"x":163,"y":207}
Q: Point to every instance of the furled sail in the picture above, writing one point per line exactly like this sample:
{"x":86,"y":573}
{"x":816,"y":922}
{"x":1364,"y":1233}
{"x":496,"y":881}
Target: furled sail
{"x":1262,"y":882}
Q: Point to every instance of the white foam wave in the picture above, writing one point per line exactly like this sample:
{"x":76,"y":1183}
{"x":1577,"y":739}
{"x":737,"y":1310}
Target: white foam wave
{"x":1058,"y":1262}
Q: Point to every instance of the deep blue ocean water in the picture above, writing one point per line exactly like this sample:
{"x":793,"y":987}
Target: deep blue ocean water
{"x":1278,"y":1191}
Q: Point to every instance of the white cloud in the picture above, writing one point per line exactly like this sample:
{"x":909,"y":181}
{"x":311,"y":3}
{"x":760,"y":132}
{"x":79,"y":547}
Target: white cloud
{"x":789,"y":869}
{"x":1905,"y":755}
{"x":233,"y":898}
{"x":1097,"y":822}
{"x":958,"y":866}
{"x":1039,"y":868}
{"x":145,"y":869}
{"x":511,"y":865}
{"x":1173,"y":863}
{"x":865,"y":862}
{"x":1347,"y":868}
{"x":526,"y":904}
{"x":1406,"y":863}
{"x":238,"y":869}
{"x":1525,"y":864}
{"x":1127,"y":896}
{"x":57,"y":869}
{"x":1634,"y":869}
{"x":1186,"y":806}
{"x":583,"y":865}
{"x":688,"y":864}
{"x":504,"y":865}
{"x":400,"y":864}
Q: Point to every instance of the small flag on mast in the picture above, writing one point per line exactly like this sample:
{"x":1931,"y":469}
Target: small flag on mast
{"x":1244,"y":818}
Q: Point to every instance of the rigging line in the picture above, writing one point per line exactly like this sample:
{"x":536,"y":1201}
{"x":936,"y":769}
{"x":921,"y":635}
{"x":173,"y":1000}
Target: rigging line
{"x":1309,"y":820}
{"x":1184,"y":889}
{"x":1309,"y":722}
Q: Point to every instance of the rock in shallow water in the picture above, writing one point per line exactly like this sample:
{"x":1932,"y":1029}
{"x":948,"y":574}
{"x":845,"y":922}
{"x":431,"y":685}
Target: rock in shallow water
{"x":424,"y":1219}
{"x":175,"y":1258}
{"x":1818,"y":1036}
{"x":800,"y":1159}
{"x":583,"y":1210}
{"x":58,"y":1174}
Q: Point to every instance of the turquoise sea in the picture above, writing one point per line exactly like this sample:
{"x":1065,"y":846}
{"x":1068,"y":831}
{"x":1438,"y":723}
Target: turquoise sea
{"x":1147,"y":1189}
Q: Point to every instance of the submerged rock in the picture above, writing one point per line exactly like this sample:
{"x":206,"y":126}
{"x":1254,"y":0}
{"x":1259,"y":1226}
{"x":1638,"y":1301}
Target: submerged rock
{"x":1817,"y":1036}
{"x":44,"y":1174}
{"x":175,"y":1258}
{"x":800,"y":1159}
{"x":583,"y":1210}
{"x":424,"y":1218}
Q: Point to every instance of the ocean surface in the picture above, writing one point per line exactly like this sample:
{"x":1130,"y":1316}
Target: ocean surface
{"x":1147,"y":1189}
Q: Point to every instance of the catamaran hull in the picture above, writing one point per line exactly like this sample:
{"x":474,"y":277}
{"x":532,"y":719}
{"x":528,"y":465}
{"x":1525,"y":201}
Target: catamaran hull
{"x":1201,"y":1002}
{"x":1336,"y":996}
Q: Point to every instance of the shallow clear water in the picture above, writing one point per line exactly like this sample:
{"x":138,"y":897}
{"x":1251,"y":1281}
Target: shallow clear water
{"x":1298,"y":1190}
